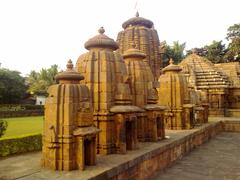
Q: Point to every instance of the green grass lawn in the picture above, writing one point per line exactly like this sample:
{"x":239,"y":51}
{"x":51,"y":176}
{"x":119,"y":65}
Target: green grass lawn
{"x":23,"y":125}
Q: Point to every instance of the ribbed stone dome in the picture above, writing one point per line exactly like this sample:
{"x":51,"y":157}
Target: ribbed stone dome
{"x":70,"y":74}
{"x":133,"y":52}
{"x":101,"y":41}
{"x":172,"y":67}
{"x":137,"y":21}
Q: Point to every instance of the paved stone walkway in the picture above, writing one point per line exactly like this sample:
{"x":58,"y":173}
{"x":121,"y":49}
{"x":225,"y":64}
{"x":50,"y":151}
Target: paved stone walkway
{"x":219,"y":159}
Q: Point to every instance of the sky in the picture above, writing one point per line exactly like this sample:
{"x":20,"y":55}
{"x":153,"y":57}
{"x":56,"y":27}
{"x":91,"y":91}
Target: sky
{"x":36,"y":34}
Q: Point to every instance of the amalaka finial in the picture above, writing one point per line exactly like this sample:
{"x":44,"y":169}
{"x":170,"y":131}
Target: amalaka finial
{"x":137,"y":14}
{"x":69,"y":65}
{"x":171,"y":61}
{"x":101,"y":30}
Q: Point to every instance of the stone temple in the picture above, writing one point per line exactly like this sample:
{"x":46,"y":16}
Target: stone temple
{"x":118,"y":96}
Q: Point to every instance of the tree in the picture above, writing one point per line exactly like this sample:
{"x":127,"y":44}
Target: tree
{"x":199,"y":51}
{"x":3,"y":127}
{"x":233,"y":50}
{"x":233,"y":32}
{"x":175,"y":52}
{"x":40,"y":81}
{"x":215,"y":52}
{"x":12,"y":86}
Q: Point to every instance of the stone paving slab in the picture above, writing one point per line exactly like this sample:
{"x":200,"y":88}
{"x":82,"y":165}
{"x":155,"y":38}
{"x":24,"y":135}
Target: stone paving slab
{"x":218,"y":159}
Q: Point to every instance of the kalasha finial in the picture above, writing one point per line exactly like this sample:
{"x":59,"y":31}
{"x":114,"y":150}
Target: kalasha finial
{"x":171,"y":61}
{"x":101,"y":30}
{"x":137,"y":14}
{"x":69,"y":65}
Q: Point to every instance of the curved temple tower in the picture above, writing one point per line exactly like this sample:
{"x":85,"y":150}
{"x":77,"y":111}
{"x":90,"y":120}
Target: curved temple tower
{"x":141,"y":32}
{"x":106,"y":76}
{"x":173,"y":93}
{"x":69,"y":135}
{"x":150,"y":124}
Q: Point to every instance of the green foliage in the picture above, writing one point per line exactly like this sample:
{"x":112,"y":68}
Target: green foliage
{"x":233,"y":52}
{"x":20,"y":144}
{"x":233,"y":32}
{"x":12,"y":86}
{"x":175,"y":52}
{"x":3,"y":127}
{"x":40,"y":81}
{"x":19,"y":107}
{"x":198,"y":51}
{"x":215,"y":52}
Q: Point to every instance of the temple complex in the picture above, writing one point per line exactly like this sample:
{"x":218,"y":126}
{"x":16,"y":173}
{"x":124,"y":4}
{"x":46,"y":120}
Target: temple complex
{"x":117,"y":97}
{"x":69,"y":136}
{"x":141,"y":32}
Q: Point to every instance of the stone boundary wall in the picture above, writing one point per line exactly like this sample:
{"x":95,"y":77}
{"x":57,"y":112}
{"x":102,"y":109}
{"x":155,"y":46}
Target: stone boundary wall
{"x":231,"y":126}
{"x":165,"y":157}
{"x":146,"y":165}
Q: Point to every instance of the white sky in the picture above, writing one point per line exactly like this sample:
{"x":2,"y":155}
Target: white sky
{"x":35,"y":34}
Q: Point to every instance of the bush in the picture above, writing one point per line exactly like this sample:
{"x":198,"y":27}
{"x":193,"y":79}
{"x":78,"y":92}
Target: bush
{"x":20,"y":144}
{"x":3,"y":127}
{"x":19,"y":107}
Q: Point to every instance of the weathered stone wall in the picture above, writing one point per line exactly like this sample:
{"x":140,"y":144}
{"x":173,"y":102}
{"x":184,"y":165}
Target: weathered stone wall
{"x":165,"y":157}
{"x":231,"y":126}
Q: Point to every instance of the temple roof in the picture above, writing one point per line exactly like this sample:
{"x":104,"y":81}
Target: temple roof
{"x":206,"y":75}
{"x":137,"y":21}
{"x":133,"y":52}
{"x":172,"y":67}
{"x":70,"y":74}
{"x":101,"y":41}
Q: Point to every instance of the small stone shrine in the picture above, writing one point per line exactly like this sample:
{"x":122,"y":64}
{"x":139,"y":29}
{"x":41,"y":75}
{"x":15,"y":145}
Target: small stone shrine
{"x":173,"y":93}
{"x":150,"y":124}
{"x":69,"y":136}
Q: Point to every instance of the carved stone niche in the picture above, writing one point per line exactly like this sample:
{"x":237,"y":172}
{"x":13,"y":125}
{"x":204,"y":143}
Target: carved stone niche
{"x":125,"y":118}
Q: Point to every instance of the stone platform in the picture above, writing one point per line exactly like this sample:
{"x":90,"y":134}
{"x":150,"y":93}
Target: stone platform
{"x":138,"y":164}
{"x":216,"y":160}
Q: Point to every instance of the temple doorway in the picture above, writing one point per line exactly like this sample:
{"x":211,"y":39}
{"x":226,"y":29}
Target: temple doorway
{"x":87,"y":152}
{"x":160,"y":127}
{"x":129,"y":135}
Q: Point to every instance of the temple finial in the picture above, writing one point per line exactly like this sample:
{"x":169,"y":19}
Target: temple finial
{"x":101,"y":30}
{"x":171,"y":61}
{"x":69,"y":65}
{"x":137,"y":14}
